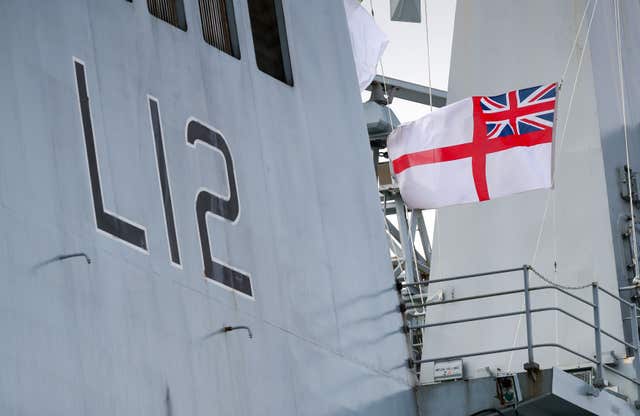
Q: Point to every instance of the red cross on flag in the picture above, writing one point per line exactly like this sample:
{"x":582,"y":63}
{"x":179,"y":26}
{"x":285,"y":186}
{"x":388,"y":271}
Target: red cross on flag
{"x":476,"y":149}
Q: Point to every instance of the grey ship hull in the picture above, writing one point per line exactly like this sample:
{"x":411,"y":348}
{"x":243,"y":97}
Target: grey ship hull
{"x":134,"y":332}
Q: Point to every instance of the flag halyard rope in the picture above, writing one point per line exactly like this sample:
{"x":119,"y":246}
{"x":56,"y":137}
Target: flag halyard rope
{"x":551,"y":193}
{"x":634,"y":243}
{"x":426,"y":30}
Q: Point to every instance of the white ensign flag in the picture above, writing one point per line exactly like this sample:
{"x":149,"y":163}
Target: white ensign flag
{"x":367,"y":41}
{"x":477,"y":149}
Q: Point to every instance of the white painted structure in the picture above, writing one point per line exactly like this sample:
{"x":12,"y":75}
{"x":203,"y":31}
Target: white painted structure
{"x":498,"y":46}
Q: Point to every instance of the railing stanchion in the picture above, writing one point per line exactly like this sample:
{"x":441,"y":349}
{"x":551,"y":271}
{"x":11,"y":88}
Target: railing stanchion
{"x":531,"y":366}
{"x":636,"y":343}
{"x":599,"y":381}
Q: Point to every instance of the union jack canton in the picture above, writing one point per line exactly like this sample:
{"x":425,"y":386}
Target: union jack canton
{"x":519,"y":112}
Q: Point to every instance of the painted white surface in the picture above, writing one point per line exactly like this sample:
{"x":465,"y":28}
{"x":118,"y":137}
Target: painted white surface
{"x":528,"y":43}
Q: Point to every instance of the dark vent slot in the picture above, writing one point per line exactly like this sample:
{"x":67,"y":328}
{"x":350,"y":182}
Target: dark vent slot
{"x":218,"y":25}
{"x":270,"y":39}
{"x":171,"y":11}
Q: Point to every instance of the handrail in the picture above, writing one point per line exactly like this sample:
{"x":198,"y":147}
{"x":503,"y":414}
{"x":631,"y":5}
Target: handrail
{"x":531,"y":365}
{"x":494,"y":294}
{"x":463,"y":320}
{"x":618,"y":298}
{"x":507,"y":314}
{"x":501,"y":350}
{"x":475,"y":297}
{"x":464,"y":276}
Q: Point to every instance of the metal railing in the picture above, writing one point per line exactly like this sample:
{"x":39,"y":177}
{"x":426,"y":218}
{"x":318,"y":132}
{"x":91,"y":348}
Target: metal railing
{"x":531,"y":366}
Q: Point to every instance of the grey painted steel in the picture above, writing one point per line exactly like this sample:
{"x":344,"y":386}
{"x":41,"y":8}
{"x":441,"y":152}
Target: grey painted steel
{"x":475,"y":318}
{"x":465,"y":276}
{"x":131,"y":334}
{"x":527,"y":305}
{"x":471,"y":354}
{"x":73,"y":255}
{"x":423,"y":265}
{"x":531,"y":365}
{"x":596,"y":328}
{"x":599,"y":380}
{"x":503,"y":293}
{"x":553,"y":392}
{"x":412,"y":92}
{"x":602,"y":47}
{"x":405,"y":11}
{"x":424,"y":235}
{"x":576,"y":233}
{"x":523,"y":312}
{"x":621,"y":341}
{"x":407,"y":246}
{"x":621,"y":374}
{"x":633,"y":309}
{"x":483,"y":296}
{"x":618,"y":298}
{"x":500,"y":350}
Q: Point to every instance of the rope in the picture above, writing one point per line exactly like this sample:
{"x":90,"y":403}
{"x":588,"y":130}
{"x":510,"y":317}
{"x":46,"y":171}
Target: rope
{"x":569,"y":107}
{"x":575,"y":41}
{"x":544,"y":217}
{"x":626,"y":139}
{"x":562,"y":138}
{"x":426,"y":30}
{"x":575,"y":81}
{"x":556,"y":314}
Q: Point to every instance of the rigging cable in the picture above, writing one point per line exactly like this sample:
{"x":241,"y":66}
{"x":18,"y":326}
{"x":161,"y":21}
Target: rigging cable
{"x":562,"y":138}
{"x":575,"y":42}
{"x":569,"y":108}
{"x":634,"y":242}
{"x":426,"y":30}
{"x":575,"y":81}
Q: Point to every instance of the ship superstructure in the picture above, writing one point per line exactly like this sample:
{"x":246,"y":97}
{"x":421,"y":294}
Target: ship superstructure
{"x":182,"y":147}
{"x":541,"y":284}
{"x":191,"y":224}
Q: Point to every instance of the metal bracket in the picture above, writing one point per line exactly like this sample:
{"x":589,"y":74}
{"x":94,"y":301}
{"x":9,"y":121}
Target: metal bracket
{"x":72,"y":255}
{"x":233,"y":328}
{"x":590,"y":390}
{"x":533,"y":369}
{"x":599,"y":383}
